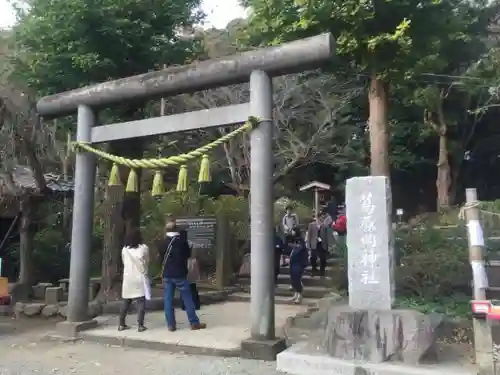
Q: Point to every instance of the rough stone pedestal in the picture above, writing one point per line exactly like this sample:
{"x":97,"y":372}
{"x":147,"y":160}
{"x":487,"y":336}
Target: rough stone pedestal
{"x":265,"y":350}
{"x":380,"y":335}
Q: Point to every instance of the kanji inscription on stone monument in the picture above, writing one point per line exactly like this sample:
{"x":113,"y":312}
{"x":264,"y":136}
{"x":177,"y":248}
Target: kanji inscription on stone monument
{"x":370,"y":243}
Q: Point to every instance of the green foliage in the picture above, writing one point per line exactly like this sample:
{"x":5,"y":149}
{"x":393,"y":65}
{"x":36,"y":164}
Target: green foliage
{"x":64,"y":44}
{"x":385,"y":37}
{"x":456,"y":305}
{"x":432,"y":263}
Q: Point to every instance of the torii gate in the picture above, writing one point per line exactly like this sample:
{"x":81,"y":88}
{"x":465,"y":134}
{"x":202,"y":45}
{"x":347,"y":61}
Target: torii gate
{"x":258,"y":67}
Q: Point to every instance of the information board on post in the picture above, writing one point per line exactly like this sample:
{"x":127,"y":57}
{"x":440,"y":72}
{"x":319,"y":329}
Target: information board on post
{"x":201,"y":231}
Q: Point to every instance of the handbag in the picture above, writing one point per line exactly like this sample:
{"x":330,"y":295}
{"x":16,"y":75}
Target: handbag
{"x":195,"y":295}
{"x":193,"y":267}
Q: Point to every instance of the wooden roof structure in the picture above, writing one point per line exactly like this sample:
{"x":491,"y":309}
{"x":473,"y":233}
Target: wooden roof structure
{"x":20,"y":181}
{"x":315,"y":185}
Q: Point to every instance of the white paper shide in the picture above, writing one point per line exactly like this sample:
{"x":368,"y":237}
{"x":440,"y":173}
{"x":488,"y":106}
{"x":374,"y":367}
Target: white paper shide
{"x":476,"y":237}
{"x":368,"y":241}
{"x":479,"y":275}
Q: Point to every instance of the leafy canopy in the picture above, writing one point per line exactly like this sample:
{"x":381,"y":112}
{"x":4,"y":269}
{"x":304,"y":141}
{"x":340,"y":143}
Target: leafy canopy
{"x":65,"y":44}
{"x":376,"y":36}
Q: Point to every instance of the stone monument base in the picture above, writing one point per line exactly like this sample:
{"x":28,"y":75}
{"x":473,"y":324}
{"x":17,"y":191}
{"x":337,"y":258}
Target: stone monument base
{"x":304,"y":359}
{"x":378,"y":336}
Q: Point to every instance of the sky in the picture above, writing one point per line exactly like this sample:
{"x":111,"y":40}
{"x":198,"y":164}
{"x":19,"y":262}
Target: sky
{"x":218,"y":16}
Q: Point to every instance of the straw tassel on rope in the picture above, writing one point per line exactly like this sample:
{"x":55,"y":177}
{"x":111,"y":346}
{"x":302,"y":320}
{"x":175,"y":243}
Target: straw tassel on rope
{"x":182,"y":181}
{"x":158,"y":185}
{"x":132,"y":182}
{"x":114,"y":176}
{"x":205,"y":175}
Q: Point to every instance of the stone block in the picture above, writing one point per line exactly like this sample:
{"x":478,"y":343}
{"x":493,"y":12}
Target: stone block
{"x":53,"y":295}
{"x":33,"y":309}
{"x":380,"y":335}
{"x":50,"y":311}
{"x":64,"y":284}
{"x":71,"y":329}
{"x":39,"y":291}
{"x":93,"y":290}
{"x":370,"y":243}
{"x":95,"y":309}
{"x":303,"y":359}
{"x":265,"y":350}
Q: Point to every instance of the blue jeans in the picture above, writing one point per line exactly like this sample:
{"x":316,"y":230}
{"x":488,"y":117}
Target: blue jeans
{"x":187,"y":298}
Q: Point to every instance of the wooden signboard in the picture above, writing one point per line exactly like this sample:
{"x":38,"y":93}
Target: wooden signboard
{"x":201,"y":231}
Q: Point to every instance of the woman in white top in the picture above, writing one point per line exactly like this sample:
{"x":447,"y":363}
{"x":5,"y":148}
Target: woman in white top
{"x":135,"y":287}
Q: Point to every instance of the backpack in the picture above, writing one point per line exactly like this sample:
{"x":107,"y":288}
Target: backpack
{"x":340,"y":225}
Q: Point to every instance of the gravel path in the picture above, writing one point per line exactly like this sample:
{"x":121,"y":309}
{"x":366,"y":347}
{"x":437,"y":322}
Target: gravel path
{"x":25,"y":354}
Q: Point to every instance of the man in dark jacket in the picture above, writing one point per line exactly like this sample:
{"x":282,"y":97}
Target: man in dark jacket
{"x":175,"y":252}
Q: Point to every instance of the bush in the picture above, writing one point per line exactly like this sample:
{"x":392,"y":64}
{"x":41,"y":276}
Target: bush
{"x":432,"y":264}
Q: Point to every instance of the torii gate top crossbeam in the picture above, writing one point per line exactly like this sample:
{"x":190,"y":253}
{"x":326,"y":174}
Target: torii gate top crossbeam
{"x":293,"y":57}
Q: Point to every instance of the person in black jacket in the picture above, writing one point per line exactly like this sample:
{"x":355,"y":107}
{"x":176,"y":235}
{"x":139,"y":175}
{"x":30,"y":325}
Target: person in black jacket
{"x":175,"y":252}
{"x":299,"y":259}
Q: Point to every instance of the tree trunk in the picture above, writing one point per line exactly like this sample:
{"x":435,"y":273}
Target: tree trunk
{"x":66,"y":163}
{"x":111,"y":255}
{"x":26,"y":240}
{"x":379,"y":127}
{"x":443,"y":179}
{"x":123,"y":215}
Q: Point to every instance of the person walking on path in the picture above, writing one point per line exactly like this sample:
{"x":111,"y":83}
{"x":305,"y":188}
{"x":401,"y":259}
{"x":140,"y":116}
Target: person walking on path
{"x":299,"y":258}
{"x":175,"y":251}
{"x":135,"y":286}
{"x":317,"y":243}
{"x":290,"y":222}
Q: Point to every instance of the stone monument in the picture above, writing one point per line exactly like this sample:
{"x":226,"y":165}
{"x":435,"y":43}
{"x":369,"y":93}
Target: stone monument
{"x":370,"y":243}
{"x":358,"y":337}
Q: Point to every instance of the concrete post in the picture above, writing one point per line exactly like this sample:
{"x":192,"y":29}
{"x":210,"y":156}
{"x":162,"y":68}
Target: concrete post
{"x":262,"y":208}
{"x":81,"y":235}
{"x":483,"y":343}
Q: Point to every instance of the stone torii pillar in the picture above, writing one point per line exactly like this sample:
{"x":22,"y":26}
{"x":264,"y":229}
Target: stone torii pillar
{"x":257,"y":67}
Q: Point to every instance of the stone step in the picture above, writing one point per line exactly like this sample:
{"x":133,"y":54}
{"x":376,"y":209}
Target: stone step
{"x":286,"y":270}
{"x":278,"y":300}
{"x":307,"y":280}
{"x":285,"y":291}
